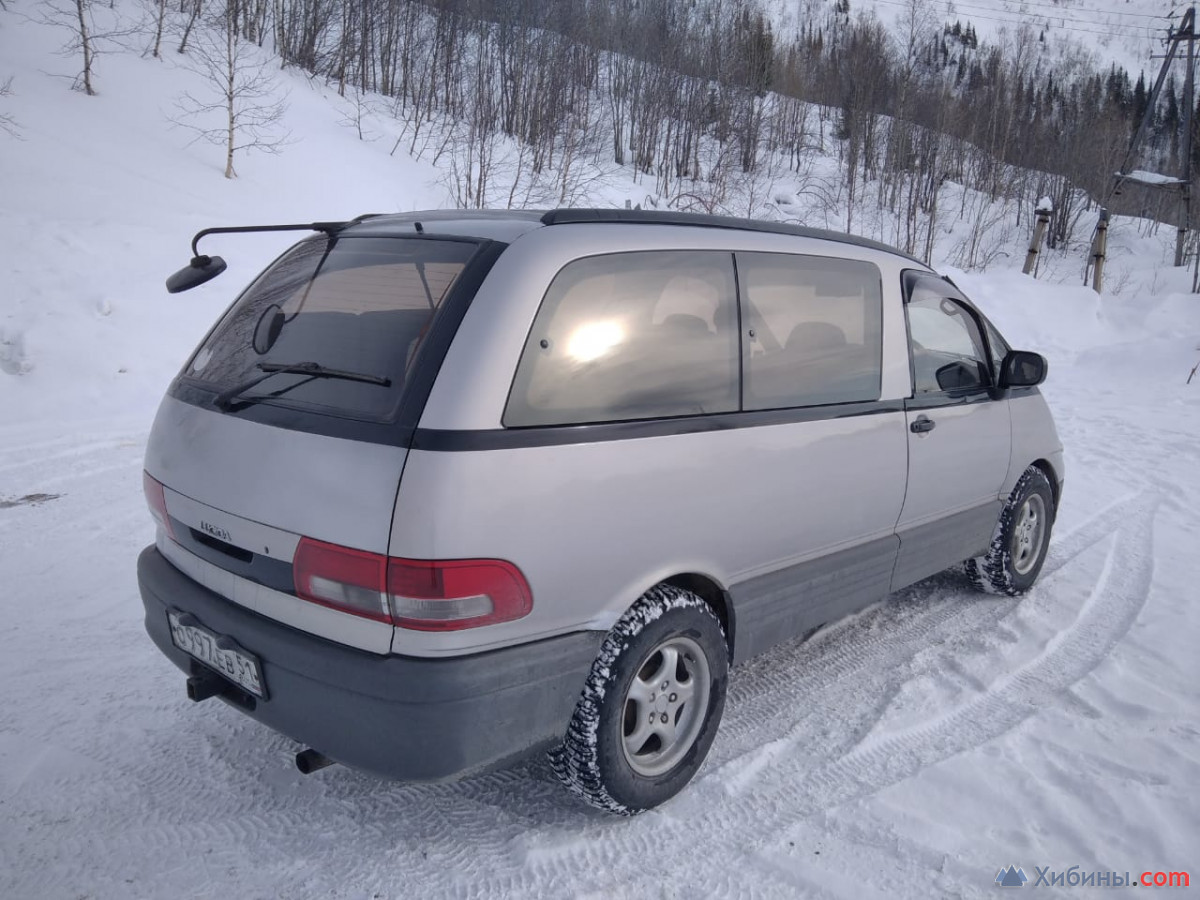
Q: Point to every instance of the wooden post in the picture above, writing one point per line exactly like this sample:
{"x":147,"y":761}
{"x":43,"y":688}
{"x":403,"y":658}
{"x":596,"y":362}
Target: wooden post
{"x":1099,"y":251}
{"x":1035,"y":243}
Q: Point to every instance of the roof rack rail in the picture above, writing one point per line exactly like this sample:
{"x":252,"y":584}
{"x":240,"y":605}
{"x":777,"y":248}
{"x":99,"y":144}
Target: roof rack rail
{"x":575,"y":216}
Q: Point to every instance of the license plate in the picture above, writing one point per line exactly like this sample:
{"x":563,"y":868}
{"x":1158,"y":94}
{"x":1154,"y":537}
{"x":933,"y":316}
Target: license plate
{"x":217,"y":651}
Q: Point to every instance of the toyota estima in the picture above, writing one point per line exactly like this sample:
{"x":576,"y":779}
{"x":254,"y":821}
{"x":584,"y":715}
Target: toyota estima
{"x":443,"y":490}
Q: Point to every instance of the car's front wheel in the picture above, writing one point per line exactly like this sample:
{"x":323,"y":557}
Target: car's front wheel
{"x":1022,"y":537}
{"x":651,"y":705}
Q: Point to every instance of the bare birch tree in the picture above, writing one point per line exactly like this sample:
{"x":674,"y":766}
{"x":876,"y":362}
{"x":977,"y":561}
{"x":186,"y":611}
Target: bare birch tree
{"x":158,"y":14}
{"x":82,"y":15}
{"x":240,"y":108}
{"x":87,"y":39}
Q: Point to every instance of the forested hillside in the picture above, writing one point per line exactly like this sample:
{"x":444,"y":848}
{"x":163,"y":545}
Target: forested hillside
{"x":710,"y":104}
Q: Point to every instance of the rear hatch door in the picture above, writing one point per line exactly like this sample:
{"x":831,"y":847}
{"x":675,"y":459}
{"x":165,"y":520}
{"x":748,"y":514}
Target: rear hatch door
{"x":293,"y":417}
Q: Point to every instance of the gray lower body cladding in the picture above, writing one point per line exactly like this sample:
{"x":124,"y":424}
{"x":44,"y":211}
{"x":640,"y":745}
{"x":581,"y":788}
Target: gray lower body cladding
{"x":783,"y":605}
{"x":930,"y":548}
{"x":399,"y":717}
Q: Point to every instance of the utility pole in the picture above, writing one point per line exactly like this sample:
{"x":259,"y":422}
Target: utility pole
{"x":1182,"y":184}
{"x":1185,"y":175}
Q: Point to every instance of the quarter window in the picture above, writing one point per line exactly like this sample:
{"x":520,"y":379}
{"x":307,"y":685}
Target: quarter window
{"x":947,"y":347}
{"x":814,"y":330}
{"x":631,"y":336}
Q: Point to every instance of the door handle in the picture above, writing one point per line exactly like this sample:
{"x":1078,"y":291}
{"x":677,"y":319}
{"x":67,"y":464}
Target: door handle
{"x":922,"y":425}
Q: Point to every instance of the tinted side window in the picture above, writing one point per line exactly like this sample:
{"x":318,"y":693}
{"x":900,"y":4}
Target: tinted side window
{"x":631,"y":336}
{"x":814,"y":330}
{"x":947,"y":347}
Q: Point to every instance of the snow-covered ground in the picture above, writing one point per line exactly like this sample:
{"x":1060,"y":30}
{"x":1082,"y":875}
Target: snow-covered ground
{"x":912,"y":751}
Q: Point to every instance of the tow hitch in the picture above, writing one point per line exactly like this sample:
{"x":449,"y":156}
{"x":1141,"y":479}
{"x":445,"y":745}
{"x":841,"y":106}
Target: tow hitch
{"x":205,"y":685}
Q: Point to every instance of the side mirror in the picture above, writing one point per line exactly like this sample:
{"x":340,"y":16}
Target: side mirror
{"x":198,"y":271}
{"x":1022,"y":369}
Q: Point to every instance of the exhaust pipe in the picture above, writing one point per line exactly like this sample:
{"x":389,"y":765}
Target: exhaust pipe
{"x":201,"y":687}
{"x":309,"y":761}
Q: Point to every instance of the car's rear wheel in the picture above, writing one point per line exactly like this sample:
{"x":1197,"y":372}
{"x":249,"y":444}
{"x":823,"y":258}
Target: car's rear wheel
{"x":1018,"y":549}
{"x":651,"y":705}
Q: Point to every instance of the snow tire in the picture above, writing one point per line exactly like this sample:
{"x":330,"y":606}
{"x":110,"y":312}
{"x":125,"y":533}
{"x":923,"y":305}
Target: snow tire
{"x":595,"y":761}
{"x":1018,"y":549}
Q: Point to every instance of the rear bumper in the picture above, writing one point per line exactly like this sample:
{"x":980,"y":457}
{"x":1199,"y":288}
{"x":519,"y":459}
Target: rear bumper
{"x":399,"y":717}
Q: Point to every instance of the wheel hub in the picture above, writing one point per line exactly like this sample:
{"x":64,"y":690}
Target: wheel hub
{"x":665,"y":701}
{"x":665,"y":706}
{"x":1028,"y":534}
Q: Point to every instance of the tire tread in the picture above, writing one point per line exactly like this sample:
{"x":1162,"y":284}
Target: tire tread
{"x":576,"y":761}
{"x":993,"y":572}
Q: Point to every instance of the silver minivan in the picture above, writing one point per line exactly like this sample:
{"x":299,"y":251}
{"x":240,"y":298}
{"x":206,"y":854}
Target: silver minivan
{"x":443,"y":490}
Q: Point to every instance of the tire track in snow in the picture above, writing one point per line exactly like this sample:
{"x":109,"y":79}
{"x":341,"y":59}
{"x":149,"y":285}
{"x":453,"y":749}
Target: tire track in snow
{"x":45,"y":454}
{"x":190,"y":789}
{"x":791,"y":789}
{"x":837,"y":655}
{"x":591,"y":854}
{"x":1107,"y":615}
{"x":187,"y":795}
{"x":585,"y":853}
{"x":98,"y":494}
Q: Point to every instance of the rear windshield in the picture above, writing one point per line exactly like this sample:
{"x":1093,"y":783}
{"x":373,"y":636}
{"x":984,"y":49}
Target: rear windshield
{"x":358,"y":305}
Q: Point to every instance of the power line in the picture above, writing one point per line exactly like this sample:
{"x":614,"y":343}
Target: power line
{"x":1149,"y":33}
{"x":1047,"y":19}
{"x":1060,"y":10}
{"x":1058,"y":14}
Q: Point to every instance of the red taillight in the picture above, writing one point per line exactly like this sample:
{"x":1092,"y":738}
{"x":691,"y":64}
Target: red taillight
{"x":440,"y":595}
{"x":157,"y":501}
{"x":345,"y":579}
{"x":447,"y":595}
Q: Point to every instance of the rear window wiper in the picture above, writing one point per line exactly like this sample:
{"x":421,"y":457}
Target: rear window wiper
{"x":226,"y":398}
